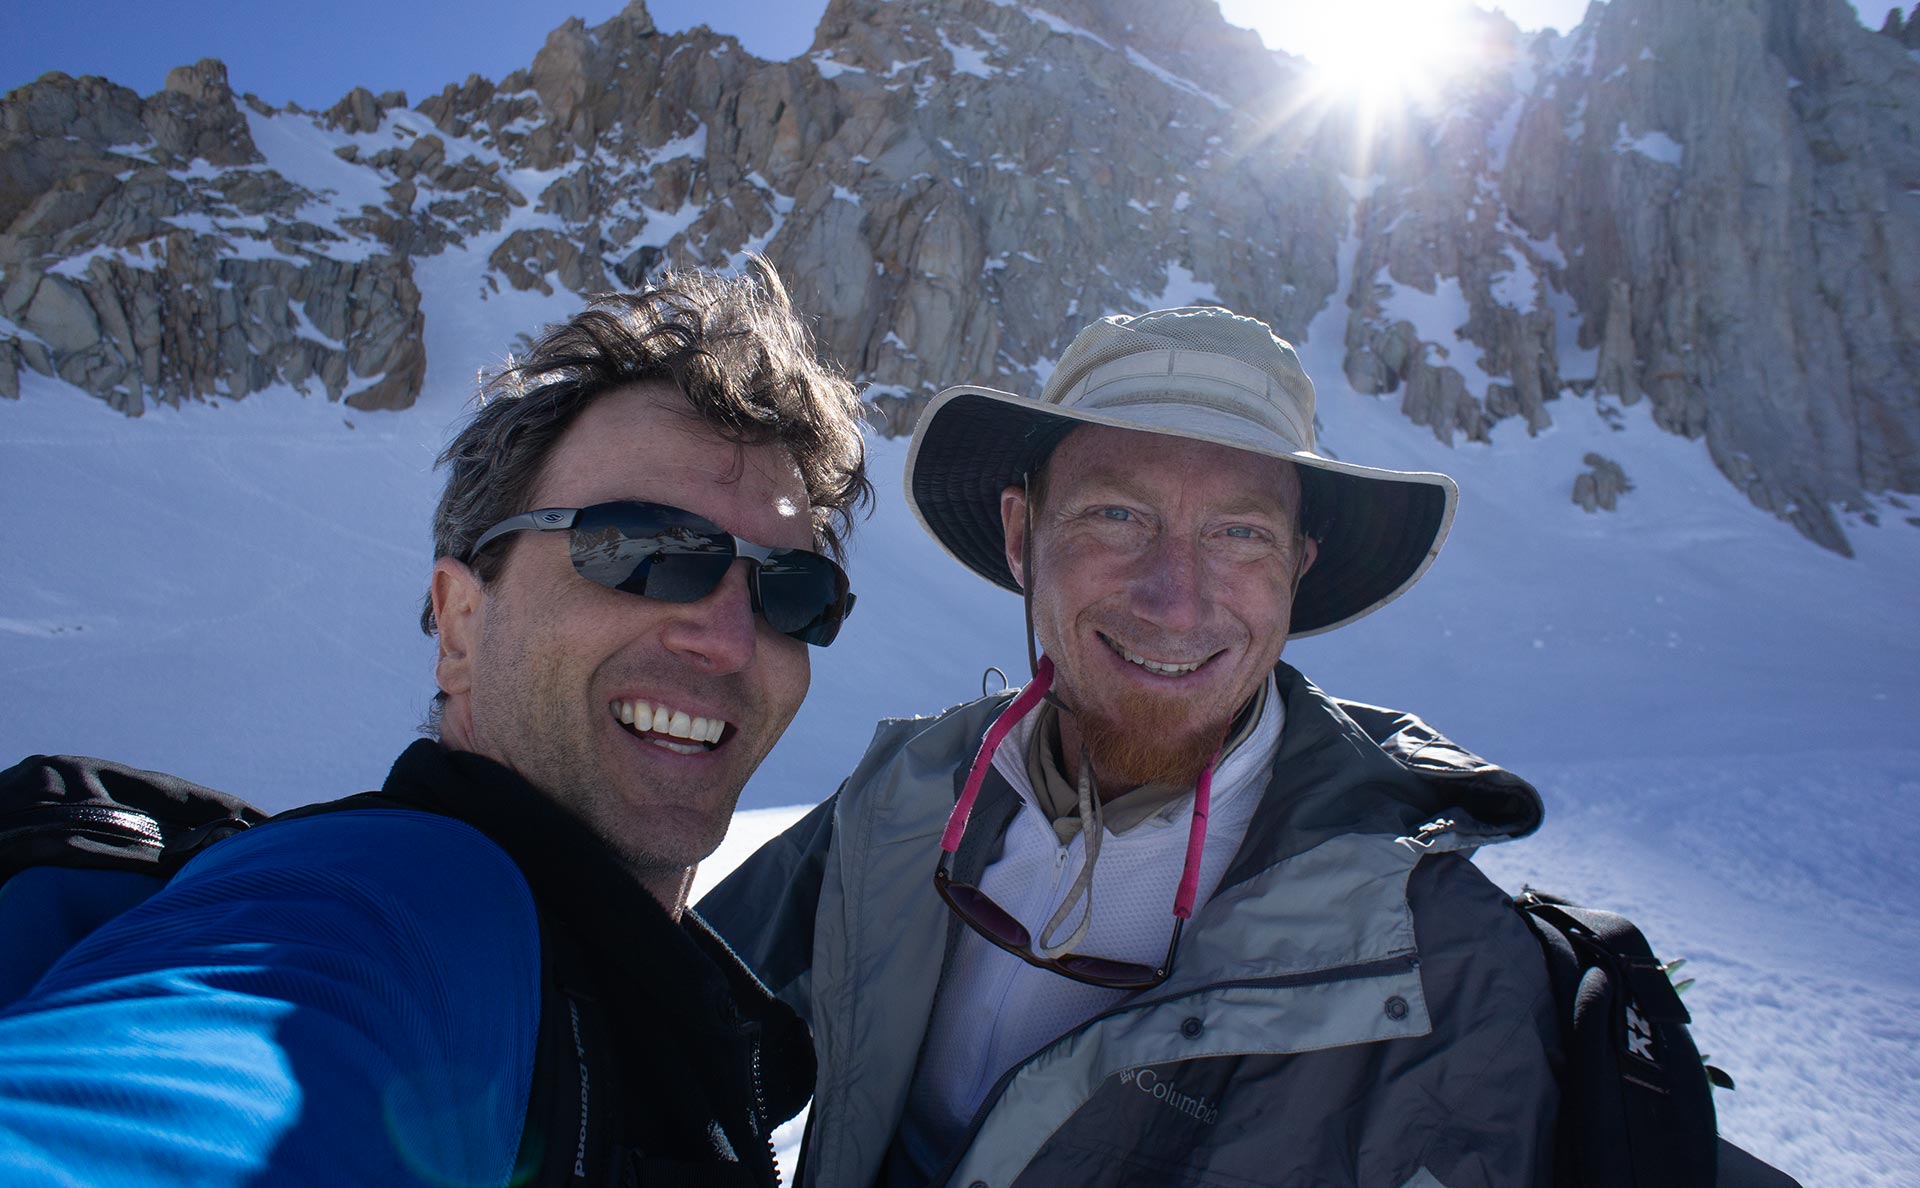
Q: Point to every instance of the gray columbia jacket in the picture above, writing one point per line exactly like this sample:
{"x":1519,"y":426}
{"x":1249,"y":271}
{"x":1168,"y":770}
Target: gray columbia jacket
{"x":1356,"y":1005}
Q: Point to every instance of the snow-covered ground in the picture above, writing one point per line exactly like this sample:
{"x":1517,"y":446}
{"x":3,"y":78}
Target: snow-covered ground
{"x":1719,"y":715}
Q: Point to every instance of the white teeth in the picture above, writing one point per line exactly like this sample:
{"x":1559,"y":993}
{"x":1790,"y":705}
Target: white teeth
{"x":650,"y":719}
{"x":1154,"y":666}
{"x":1168,"y":669}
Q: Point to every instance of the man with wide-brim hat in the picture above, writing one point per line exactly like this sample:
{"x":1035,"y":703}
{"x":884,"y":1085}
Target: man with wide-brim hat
{"x":1167,"y":913}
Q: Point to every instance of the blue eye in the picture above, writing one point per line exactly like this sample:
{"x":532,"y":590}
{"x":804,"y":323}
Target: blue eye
{"x":1119,"y":515}
{"x":1242,"y":532}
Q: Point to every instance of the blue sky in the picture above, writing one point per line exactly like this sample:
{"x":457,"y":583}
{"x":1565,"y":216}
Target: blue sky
{"x":315,"y":54}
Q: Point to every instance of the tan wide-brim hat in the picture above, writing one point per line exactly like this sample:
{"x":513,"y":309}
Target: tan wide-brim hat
{"x":1197,"y":372}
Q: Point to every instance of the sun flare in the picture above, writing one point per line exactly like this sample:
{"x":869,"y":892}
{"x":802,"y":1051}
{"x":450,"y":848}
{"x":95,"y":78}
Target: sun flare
{"x":1375,"y":52}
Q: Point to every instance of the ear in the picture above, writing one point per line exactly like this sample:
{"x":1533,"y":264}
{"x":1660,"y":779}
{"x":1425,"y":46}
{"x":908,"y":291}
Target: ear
{"x":1013,"y":524}
{"x":1309,"y":553}
{"x":457,"y":609}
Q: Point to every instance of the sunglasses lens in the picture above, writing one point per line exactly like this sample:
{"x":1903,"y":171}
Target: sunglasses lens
{"x":662,"y":552}
{"x":989,"y":917}
{"x":650,"y":550}
{"x":803,"y":595}
{"x":1121,"y":973}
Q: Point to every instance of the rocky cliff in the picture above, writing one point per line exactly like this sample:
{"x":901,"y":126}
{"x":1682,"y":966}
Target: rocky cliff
{"x":1712,"y":207}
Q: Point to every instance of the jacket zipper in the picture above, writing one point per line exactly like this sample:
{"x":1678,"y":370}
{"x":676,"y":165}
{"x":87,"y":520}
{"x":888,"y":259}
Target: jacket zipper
{"x":1345,"y":973}
{"x":753,"y":1031}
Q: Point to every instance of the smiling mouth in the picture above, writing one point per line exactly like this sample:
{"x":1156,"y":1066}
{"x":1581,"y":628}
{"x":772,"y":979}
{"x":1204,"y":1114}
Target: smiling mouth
{"x":671,"y":729}
{"x":1162,"y":668}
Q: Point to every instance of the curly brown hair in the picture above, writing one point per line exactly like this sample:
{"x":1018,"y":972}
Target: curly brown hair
{"x":733,"y":346}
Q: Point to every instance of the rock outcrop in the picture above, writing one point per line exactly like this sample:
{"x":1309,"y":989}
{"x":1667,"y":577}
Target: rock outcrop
{"x":1906,"y":32}
{"x":1599,"y":487}
{"x":1752,"y":263}
{"x":1709,"y":208}
{"x":150,"y":254}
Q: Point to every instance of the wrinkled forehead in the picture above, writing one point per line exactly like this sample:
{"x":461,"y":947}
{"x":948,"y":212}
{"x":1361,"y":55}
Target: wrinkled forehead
{"x":1162,"y":464}
{"x":643,"y":443}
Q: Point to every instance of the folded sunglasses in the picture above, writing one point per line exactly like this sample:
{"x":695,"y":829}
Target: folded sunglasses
{"x":656,"y":551}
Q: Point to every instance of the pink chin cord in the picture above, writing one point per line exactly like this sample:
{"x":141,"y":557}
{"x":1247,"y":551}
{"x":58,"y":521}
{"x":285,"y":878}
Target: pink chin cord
{"x":1003,"y":725}
{"x":1196,"y":841}
{"x":996,"y":734}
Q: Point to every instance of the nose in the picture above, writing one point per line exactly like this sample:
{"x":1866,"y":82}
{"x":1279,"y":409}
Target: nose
{"x":1167,"y":587}
{"x":719,"y":632}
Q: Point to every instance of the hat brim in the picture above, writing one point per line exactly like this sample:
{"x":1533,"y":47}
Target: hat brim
{"x":1385,"y":527}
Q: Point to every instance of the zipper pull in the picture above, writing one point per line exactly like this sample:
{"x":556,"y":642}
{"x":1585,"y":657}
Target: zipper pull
{"x":1424,"y":837}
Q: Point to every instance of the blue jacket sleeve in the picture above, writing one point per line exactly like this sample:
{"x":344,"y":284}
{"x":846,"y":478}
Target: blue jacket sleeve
{"x":350,"y":998}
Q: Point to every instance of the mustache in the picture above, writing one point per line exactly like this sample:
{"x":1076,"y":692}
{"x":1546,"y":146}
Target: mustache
{"x":1154,"y":644}
{"x":729,"y":689}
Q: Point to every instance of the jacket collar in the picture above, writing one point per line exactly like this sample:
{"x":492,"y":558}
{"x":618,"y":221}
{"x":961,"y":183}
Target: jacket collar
{"x":1345,"y":767}
{"x":686,"y":970}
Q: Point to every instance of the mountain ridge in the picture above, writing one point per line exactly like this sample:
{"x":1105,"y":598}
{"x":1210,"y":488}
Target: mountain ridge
{"x":1715,"y":209}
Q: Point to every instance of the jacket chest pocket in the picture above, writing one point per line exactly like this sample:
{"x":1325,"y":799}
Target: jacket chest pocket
{"x":1202,"y":1084}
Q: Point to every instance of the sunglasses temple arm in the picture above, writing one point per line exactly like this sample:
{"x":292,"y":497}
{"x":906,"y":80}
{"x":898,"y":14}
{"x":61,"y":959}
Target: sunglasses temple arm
{"x":1196,"y":841}
{"x":996,"y":734}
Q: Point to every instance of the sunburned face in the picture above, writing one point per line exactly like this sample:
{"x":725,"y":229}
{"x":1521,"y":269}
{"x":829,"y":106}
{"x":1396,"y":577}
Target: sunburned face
{"x":1164,"y":572}
{"x":646,"y":717}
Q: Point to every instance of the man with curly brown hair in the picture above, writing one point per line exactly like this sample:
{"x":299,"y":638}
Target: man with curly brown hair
{"x":483,"y":973}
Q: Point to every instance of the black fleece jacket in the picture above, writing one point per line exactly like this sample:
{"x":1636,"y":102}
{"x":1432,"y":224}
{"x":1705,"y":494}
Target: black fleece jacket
{"x":682,"y":1059}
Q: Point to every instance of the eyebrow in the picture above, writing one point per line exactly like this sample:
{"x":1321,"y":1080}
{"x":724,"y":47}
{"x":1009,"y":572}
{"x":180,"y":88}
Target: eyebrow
{"x":1249,"y":505}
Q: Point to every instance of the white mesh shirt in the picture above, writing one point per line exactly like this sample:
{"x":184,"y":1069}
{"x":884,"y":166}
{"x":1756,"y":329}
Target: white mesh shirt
{"x":993,"y":1010}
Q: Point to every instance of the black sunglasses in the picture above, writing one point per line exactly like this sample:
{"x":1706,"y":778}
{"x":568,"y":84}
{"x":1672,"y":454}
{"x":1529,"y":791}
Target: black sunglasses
{"x":657,"y":551}
{"x":979,"y":912}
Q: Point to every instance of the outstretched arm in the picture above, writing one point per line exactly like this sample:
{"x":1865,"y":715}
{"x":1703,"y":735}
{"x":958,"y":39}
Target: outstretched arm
{"x":343,"y":999}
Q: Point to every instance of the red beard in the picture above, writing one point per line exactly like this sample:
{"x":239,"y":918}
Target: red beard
{"x":1136,"y":741}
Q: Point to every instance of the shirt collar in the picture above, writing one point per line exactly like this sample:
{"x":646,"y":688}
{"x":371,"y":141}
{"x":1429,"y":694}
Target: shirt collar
{"x":1028,"y":758}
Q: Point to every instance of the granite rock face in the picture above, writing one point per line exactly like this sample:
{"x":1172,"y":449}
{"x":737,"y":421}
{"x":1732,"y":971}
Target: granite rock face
{"x":150,"y":254}
{"x":1753,"y":264}
{"x":1710,"y":207}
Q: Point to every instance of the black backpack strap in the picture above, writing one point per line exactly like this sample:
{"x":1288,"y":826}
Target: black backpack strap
{"x":73,"y":811}
{"x":568,"y":1140}
{"x":1636,"y":1104}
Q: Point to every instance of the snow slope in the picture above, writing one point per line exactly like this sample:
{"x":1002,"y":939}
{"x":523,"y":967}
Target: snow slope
{"x":1719,"y":714}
